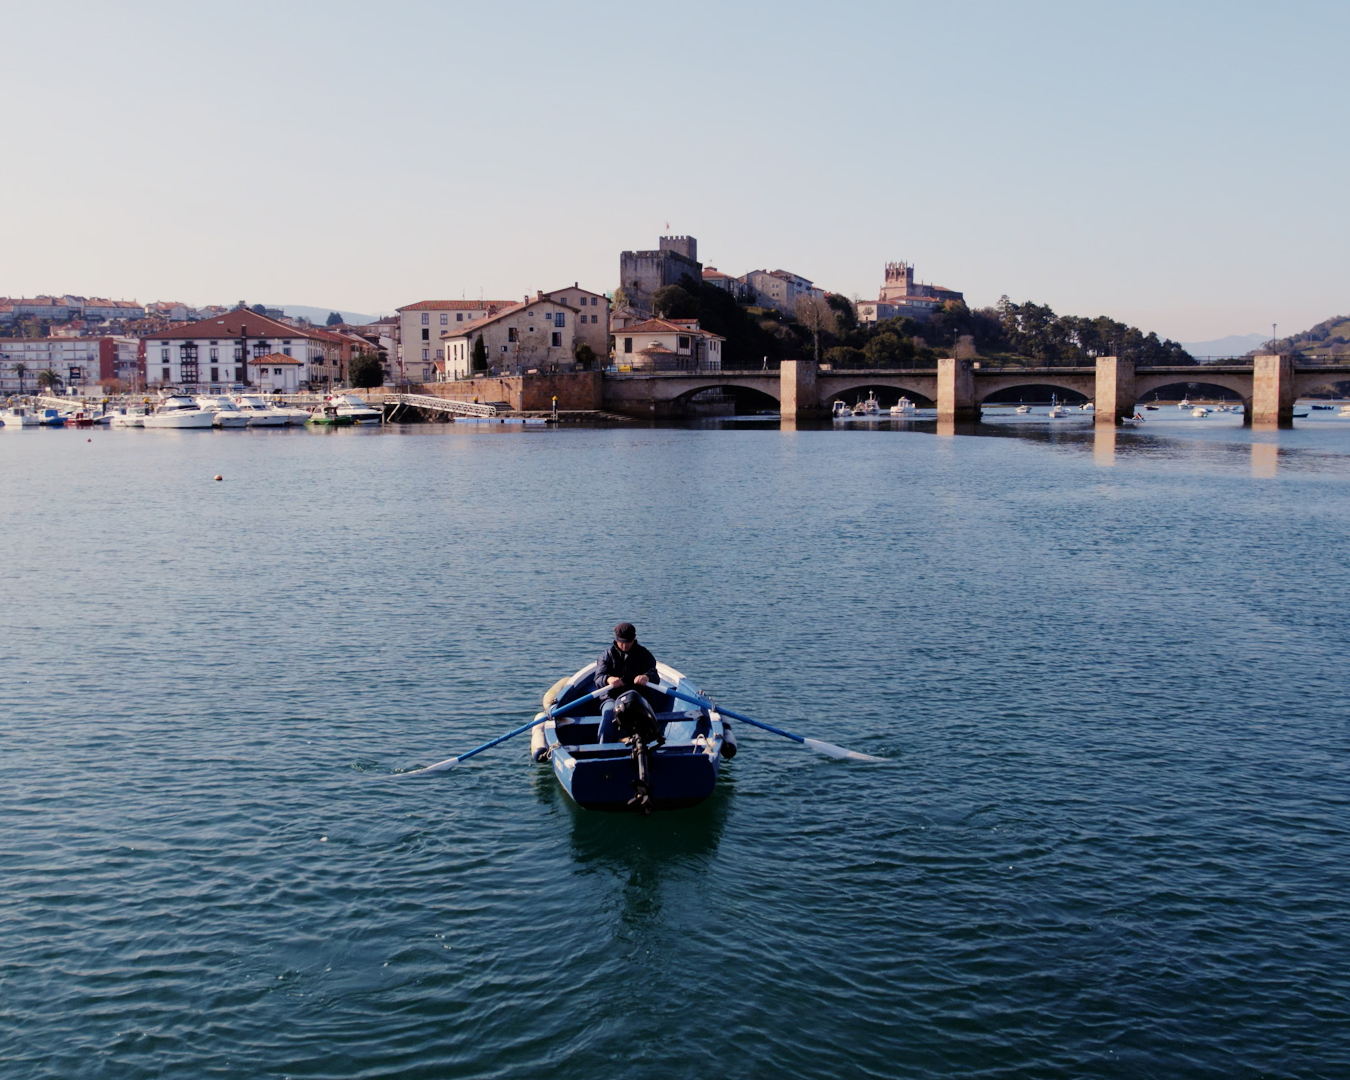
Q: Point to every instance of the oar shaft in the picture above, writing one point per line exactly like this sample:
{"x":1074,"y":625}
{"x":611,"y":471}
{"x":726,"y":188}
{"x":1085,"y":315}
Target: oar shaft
{"x":736,"y":716}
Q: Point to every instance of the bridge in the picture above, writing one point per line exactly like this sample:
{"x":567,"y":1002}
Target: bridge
{"x":1268,"y":386}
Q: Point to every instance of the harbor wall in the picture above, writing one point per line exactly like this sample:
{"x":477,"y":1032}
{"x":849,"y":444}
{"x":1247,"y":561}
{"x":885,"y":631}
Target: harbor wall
{"x":576,"y":391}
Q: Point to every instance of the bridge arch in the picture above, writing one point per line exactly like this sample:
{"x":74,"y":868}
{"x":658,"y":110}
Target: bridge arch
{"x":888,"y":392}
{"x":1078,"y":386}
{"x":743,"y":395}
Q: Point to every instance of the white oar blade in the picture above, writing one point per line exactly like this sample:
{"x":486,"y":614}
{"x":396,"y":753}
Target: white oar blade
{"x":830,"y":750}
{"x":440,"y":766}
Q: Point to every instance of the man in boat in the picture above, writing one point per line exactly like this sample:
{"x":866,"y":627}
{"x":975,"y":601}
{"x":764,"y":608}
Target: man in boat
{"x":624,"y":665}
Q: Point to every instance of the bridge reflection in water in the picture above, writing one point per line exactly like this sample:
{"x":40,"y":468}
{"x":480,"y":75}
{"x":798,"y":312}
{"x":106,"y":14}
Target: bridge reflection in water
{"x":1268,"y":387}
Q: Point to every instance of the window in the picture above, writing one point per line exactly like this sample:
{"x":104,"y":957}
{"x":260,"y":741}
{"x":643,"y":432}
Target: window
{"x":444,"y":318}
{"x":560,"y":319}
{"x":557,"y":340}
{"x":503,"y":348}
{"x":684,"y":343}
{"x":238,"y":373}
{"x":426,"y":319}
{"x":627,"y":344}
{"x":215,"y":354}
{"x":459,"y":316}
{"x":166,"y":375}
{"x":510,"y":333}
{"x":164,"y":356}
{"x":548,"y":316}
{"x":286,"y":351}
{"x":595,"y":318}
{"x":286,"y":341}
{"x":426,"y":354}
{"x":215,"y":374}
{"x":276,"y":371}
{"x":426,"y":334}
{"x":239,"y":353}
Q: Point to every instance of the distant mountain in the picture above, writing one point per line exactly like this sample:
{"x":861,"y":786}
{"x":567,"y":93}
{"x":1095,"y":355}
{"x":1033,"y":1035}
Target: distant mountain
{"x":1330,"y":337}
{"x":1232,"y":345}
{"x":319,"y":315}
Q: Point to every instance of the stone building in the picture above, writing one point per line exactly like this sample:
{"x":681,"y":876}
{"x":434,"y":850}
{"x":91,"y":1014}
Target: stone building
{"x":901,"y":295}
{"x":778,"y":289}
{"x":641,"y":273}
{"x":535,"y":335}
{"x":592,"y":321}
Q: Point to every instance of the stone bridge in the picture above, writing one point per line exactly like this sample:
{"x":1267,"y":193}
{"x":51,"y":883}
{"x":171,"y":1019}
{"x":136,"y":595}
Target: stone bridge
{"x":1268,"y":386}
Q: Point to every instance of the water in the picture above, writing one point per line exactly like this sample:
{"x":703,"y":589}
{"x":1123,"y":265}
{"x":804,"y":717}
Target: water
{"x":1107,"y":671}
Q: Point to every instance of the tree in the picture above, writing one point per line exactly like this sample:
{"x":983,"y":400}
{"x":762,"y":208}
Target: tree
{"x":334,"y":319}
{"x":259,"y":309}
{"x":846,"y":317}
{"x":817,"y":316}
{"x":365,"y":371}
{"x":841,"y":356}
{"x":21,"y":369}
{"x":888,"y":350}
{"x":480,"y":355}
{"x":620,"y":297}
{"x":585,"y":355}
{"x":674,"y":302}
{"x":48,"y":380}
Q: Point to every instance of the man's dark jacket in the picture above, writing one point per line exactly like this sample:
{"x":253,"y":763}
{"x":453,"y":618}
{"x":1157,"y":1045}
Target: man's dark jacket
{"x":626,"y":665}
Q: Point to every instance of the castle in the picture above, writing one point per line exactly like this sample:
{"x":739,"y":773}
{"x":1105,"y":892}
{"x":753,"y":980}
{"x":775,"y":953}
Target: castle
{"x":641,"y":273}
{"x":901,"y":296}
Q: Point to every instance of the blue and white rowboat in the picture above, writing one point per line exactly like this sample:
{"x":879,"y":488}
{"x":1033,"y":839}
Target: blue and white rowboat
{"x":681,"y":771}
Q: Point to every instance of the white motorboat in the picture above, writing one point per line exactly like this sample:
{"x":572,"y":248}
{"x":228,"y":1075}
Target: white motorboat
{"x":179,"y":412}
{"x":1022,"y":410}
{"x":870,"y":407}
{"x":1057,"y":412}
{"x":129,"y":418}
{"x":903,"y":407}
{"x":1184,"y":403}
{"x":259,"y":413}
{"x":357,"y":408}
{"x":226,"y":414}
{"x":1200,"y":411}
{"x":841,"y":410}
{"x":19,"y":417}
{"x":1087,"y":406}
{"x":1345,"y":411}
{"x":295,"y":416}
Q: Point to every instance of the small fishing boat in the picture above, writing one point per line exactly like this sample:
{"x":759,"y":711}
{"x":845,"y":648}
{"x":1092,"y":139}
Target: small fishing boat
{"x":1151,"y":407}
{"x":1315,"y":408}
{"x":1200,"y":411}
{"x":841,"y":411}
{"x":128,"y":418}
{"x":672,"y":764}
{"x":903,"y":407}
{"x":1057,"y":412}
{"x":1184,"y":403}
{"x":1345,"y":411}
{"x":19,"y":417}
{"x":51,"y":418}
{"x":1022,"y":410}
{"x":329,"y":416}
{"x":870,"y":407}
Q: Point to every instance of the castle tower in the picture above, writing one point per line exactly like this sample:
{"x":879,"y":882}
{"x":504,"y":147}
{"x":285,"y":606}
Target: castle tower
{"x":899,"y":281}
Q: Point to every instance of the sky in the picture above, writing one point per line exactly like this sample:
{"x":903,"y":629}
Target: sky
{"x":1181,"y":166}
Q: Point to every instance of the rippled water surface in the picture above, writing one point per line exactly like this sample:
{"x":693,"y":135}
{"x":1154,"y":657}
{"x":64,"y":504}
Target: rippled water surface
{"x":1108,"y":672}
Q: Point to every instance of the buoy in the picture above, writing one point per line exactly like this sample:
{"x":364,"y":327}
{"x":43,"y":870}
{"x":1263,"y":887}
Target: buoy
{"x":219,"y":477}
{"x":88,"y":440}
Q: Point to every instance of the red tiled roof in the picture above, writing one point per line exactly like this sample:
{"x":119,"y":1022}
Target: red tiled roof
{"x":668,"y":326}
{"x":234,"y":324}
{"x":464,"y":329}
{"x":457,"y":305}
{"x":275,"y":358}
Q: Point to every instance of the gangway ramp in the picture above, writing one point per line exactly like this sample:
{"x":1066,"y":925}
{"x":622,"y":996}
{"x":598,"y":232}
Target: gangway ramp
{"x":395,"y":403}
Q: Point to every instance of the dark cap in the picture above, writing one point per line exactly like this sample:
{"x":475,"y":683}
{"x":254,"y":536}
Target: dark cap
{"x":625,"y":631}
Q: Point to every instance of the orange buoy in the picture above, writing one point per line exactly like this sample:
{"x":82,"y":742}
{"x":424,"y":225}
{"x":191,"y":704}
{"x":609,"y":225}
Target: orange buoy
{"x":219,"y":477}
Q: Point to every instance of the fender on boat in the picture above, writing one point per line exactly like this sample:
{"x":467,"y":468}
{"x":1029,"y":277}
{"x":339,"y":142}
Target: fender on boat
{"x":538,"y":744}
{"x":728,"y":739}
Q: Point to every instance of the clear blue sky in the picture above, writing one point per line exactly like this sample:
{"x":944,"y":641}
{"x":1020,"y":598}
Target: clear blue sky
{"x":1182,"y":166}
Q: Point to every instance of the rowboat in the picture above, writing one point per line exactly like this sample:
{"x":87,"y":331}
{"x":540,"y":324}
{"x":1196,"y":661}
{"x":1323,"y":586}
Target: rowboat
{"x":673,"y":763}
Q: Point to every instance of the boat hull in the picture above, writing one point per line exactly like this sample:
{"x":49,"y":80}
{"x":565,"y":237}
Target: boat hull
{"x":682,"y":772}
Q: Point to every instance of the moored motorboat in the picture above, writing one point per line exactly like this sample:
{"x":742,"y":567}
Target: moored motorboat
{"x":870,"y":407}
{"x":259,"y":413}
{"x":1057,"y":412}
{"x":178,"y":412}
{"x":903,"y":407}
{"x":128,"y":418}
{"x":1022,"y":410}
{"x":673,"y":763}
{"x":357,"y":408}
{"x":224,"y":412}
{"x":329,"y":416}
{"x":841,"y":411}
{"x":1200,"y":411}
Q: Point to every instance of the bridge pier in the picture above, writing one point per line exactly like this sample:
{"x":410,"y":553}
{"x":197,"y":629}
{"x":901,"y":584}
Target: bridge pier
{"x":799,"y":393}
{"x":956,"y":391}
{"x":1115,"y":396}
{"x":1273,"y":395}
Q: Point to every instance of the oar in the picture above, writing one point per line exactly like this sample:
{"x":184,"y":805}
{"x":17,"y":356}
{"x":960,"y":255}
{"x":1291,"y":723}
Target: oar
{"x":450,"y":763}
{"x":828,"y":749}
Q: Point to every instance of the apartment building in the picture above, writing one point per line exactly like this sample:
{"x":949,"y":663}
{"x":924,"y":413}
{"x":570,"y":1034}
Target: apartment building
{"x":535,"y":335}
{"x":215,"y":353}
{"x":423,"y":325}
{"x":592,"y":319}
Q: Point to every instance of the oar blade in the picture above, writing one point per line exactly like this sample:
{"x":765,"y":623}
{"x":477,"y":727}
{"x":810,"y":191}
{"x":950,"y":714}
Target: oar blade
{"x":830,"y":750}
{"x":440,"y":766}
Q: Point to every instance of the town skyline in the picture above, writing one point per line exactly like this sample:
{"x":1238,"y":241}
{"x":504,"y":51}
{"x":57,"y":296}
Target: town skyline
{"x":1133,"y":163}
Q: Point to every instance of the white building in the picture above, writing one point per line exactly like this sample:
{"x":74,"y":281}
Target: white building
{"x":423,"y":325}
{"x":215,"y":353}
{"x":901,"y":295}
{"x":667,"y":345}
{"x":77,"y":362}
{"x":276,"y":373}
{"x":535,"y":335}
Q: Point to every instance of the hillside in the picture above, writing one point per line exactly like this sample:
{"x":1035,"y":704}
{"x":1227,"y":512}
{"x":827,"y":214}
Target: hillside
{"x":1328,"y":338}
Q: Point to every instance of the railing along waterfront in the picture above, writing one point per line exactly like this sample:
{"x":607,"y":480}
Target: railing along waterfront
{"x":440,"y":404}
